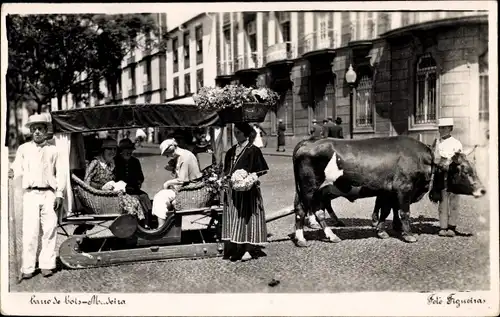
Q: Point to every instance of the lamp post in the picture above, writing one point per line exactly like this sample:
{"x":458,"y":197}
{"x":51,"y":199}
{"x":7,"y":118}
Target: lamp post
{"x":350,"y":77}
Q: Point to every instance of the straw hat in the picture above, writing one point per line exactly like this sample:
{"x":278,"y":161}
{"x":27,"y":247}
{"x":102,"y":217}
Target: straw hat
{"x":108,"y":143}
{"x":39,"y":118}
{"x":167,"y":144}
{"x":126,"y":144}
{"x":445,"y":122}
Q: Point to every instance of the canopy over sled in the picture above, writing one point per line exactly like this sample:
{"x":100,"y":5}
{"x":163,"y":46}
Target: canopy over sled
{"x":124,"y":116}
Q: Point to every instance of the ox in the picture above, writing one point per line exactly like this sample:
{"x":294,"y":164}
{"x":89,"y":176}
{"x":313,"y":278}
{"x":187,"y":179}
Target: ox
{"x":397,"y":170}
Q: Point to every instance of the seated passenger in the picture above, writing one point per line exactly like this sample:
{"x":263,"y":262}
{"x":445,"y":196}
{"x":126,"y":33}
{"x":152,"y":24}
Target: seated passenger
{"x":100,"y":175}
{"x":128,"y":169}
{"x":186,"y":170}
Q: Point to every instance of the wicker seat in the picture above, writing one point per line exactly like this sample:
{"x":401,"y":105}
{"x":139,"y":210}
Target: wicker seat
{"x":96,"y":201}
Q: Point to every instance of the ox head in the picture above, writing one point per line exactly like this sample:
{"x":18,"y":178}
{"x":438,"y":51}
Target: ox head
{"x":462,"y":177}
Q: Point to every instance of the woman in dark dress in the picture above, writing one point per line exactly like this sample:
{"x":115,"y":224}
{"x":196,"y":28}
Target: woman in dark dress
{"x":281,"y":135}
{"x":128,"y":169}
{"x":243,"y":221}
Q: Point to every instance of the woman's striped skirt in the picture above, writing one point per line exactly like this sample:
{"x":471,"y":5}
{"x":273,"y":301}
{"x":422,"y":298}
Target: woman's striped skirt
{"x":243,"y":218}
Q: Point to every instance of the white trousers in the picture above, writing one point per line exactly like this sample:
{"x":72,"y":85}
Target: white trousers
{"x":162,"y":202}
{"x":38,"y":209}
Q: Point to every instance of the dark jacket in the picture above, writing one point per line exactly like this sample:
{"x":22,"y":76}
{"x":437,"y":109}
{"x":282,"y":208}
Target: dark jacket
{"x":332,"y":130}
{"x":130,"y":172}
{"x":316,"y":130}
{"x":281,"y":134}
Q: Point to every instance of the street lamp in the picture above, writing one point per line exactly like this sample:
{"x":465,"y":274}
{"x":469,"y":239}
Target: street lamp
{"x":350,"y":77}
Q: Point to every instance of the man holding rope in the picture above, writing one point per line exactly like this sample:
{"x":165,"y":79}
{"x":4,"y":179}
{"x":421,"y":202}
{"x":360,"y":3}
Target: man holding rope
{"x":43,"y":183}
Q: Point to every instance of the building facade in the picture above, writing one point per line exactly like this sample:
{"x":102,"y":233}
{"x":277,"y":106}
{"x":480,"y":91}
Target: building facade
{"x":412,"y":68}
{"x":191,"y":56}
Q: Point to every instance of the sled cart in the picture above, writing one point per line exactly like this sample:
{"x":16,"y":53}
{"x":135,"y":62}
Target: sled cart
{"x":103,"y":235}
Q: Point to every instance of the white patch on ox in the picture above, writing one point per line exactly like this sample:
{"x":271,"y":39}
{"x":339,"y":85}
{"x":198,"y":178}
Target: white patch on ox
{"x":332,"y":171}
{"x":299,"y":235}
{"x":330,"y":235}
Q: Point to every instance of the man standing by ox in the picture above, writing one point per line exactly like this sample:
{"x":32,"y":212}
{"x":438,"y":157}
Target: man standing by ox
{"x":186,"y":170}
{"x":445,"y":148}
{"x":43,"y":183}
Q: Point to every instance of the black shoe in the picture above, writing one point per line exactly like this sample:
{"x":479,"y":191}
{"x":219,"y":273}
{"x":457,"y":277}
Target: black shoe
{"x":47,"y":273}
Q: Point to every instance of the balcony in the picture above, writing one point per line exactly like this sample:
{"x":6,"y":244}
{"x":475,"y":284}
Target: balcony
{"x":225,"y":68}
{"x":250,"y":61}
{"x":318,"y":43}
{"x":280,"y":52}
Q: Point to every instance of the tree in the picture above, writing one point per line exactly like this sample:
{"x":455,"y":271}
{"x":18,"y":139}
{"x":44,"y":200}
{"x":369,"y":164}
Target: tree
{"x":52,"y":55}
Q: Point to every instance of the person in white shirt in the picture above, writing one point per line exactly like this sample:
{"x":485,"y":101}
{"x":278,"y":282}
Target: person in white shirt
{"x":43,"y":182}
{"x":258,"y":136}
{"x":186,"y":170}
{"x":445,"y":148}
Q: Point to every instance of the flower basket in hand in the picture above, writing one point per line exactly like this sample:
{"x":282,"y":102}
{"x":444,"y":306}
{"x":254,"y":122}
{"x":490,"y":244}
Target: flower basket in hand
{"x":242,"y":181}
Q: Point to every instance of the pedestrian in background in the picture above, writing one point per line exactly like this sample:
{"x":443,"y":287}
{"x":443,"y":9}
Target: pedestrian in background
{"x":316,"y":130}
{"x":445,"y":148}
{"x":281,"y":135}
{"x":335,"y":129}
{"x":258,"y":136}
{"x":43,"y":181}
{"x":140,"y":136}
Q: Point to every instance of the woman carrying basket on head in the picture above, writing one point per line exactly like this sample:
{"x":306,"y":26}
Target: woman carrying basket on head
{"x":243,"y":221}
{"x":100,"y":174}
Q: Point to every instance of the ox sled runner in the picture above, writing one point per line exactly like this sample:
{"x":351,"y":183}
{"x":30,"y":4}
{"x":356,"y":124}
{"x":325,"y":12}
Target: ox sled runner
{"x":103,"y":235}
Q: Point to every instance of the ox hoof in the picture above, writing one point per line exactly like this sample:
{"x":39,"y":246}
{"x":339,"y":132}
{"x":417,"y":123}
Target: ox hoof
{"x":375,"y":223}
{"x":333,"y":239}
{"x":302,"y":243}
{"x":382,"y":234}
{"x":409,"y":238}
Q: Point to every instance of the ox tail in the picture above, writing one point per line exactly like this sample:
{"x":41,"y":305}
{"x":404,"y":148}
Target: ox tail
{"x":434,"y":192}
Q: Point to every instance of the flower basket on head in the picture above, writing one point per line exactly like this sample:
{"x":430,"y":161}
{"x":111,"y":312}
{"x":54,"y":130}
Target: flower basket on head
{"x":236,"y":103}
{"x":249,"y":112}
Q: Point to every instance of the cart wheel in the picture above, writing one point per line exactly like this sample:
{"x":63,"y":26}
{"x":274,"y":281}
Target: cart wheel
{"x":82,"y":229}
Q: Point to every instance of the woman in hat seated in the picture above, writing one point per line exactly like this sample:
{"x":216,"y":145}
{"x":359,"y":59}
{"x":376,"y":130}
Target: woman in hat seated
{"x":100,"y":175}
{"x":129,"y":170}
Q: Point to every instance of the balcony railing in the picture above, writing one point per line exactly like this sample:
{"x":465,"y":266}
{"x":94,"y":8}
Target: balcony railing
{"x":318,"y":41}
{"x":225,"y":68}
{"x":146,"y":87}
{"x":131,"y":59}
{"x":280,"y":51}
{"x":251,"y":60}
{"x":131,"y":92}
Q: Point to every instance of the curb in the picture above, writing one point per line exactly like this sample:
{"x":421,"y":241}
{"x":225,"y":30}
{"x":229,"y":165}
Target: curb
{"x":278,"y":154}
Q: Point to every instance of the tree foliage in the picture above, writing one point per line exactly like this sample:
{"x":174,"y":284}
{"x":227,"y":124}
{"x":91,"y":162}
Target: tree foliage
{"x":51,"y":55}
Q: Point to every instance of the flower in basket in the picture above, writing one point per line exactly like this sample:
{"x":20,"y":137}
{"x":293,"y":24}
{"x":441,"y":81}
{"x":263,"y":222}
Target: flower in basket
{"x":233,"y":96}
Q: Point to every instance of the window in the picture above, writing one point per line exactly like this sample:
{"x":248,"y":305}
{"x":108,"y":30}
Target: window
{"x":364,"y":102}
{"x":384,"y":22}
{"x":187,"y":84}
{"x":175,"y":53}
{"x":199,"y":79}
{"x":176,"y":86}
{"x":146,"y":79}
{"x":199,"y":44}
{"x":408,"y":18}
{"x":131,"y":76}
{"x":186,"y":50}
{"x":251,"y":30}
{"x":227,"y":44}
{"x":426,"y":90}
{"x":323,"y":25}
{"x":484,"y":109}
{"x":285,"y":31}
{"x":370,"y":25}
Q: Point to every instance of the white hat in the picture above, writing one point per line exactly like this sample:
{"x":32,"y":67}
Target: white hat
{"x":39,"y":118}
{"x":445,"y":122}
{"x":165,"y":145}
